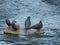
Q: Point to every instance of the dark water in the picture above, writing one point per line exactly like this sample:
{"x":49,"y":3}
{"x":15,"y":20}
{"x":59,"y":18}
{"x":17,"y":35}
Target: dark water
{"x":46,"y":10}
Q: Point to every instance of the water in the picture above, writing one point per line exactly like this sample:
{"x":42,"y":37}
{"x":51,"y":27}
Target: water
{"x":46,"y":10}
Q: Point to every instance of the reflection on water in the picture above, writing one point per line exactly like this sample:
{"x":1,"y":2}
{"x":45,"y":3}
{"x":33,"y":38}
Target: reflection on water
{"x":46,"y":10}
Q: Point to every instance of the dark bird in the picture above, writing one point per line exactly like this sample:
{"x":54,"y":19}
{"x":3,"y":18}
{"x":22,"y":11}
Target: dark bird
{"x":8,"y":22}
{"x":15,"y":26}
{"x":27,"y":22}
{"x":37,"y":26}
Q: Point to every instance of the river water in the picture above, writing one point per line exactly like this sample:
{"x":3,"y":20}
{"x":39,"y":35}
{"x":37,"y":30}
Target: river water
{"x":48,"y":11}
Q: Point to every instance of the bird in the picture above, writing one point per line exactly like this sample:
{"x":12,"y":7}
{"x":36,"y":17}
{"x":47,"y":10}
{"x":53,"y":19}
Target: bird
{"x":15,"y":26}
{"x":37,"y":26}
{"x":8,"y":22}
{"x":27,"y":22}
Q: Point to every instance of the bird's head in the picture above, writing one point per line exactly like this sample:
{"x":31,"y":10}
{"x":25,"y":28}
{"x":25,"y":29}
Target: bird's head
{"x":28,"y":17}
{"x":14,"y":21}
{"x":40,"y":22}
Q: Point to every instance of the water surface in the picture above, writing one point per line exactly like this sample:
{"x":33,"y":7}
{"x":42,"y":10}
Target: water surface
{"x":45,"y":10}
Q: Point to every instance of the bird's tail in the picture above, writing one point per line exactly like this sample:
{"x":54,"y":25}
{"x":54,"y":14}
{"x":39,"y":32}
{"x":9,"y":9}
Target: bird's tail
{"x":8,"y":22}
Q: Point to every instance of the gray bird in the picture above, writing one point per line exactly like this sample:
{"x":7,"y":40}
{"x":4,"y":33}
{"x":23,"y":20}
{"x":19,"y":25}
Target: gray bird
{"x":27,"y":23}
